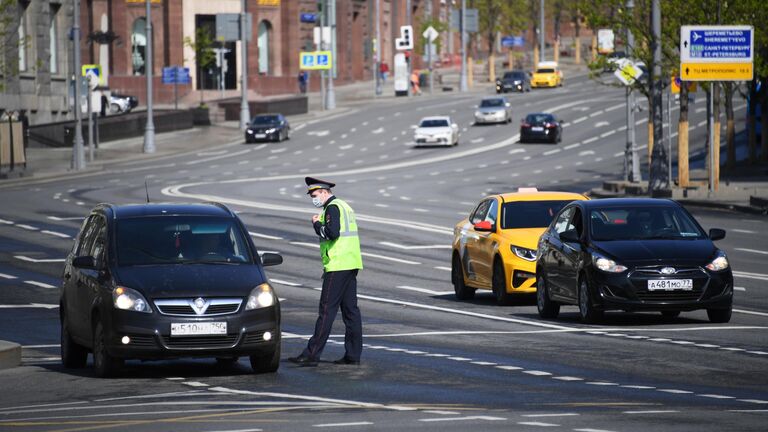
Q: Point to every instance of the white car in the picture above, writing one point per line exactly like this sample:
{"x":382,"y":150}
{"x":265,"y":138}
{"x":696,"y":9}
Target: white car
{"x":438,"y":130}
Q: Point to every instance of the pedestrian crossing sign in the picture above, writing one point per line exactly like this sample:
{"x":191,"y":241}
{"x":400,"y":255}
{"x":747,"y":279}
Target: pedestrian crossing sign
{"x":315,"y":60}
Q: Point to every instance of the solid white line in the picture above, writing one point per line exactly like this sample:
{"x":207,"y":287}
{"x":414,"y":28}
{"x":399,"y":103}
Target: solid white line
{"x":538,"y":424}
{"x":651,"y":412}
{"x":424,"y":290}
{"x":551,"y":415}
{"x":398,"y":260}
{"x":748,"y":312}
{"x":761,"y":252}
{"x":35,"y":260}
{"x":399,"y":246}
{"x":56,"y":218}
{"x":443,"y":268}
{"x":343,"y":424}
{"x":264,"y":236}
{"x":462,"y":418}
{"x":282,"y":282}
{"x":54,"y":233}
{"x":39,"y":284}
{"x":746,"y":275}
{"x":7,"y":276}
{"x":31,"y":305}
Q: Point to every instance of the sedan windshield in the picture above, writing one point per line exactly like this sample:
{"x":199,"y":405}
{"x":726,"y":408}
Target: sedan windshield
{"x":266,"y":120}
{"x":180,"y":240}
{"x":643,"y":223}
{"x":489,"y":103}
{"x":514,"y":76}
{"x":529,"y":214}
{"x":434,"y":123}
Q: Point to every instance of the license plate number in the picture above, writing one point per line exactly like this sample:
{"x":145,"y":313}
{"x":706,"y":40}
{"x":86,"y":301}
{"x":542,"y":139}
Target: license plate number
{"x":198,"y":329}
{"x":537,"y":129}
{"x":670,"y":284}
{"x":260,"y":135}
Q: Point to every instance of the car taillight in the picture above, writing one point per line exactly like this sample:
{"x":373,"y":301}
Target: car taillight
{"x":524,"y":124}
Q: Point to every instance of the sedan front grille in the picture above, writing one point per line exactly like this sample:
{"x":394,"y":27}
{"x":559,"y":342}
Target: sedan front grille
{"x":197,"y":342}
{"x":189,"y":307}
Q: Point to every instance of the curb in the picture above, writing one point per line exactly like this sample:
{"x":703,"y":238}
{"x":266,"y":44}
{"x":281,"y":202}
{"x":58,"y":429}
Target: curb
{"x":10,"y":355}
{"x":741,"y":208}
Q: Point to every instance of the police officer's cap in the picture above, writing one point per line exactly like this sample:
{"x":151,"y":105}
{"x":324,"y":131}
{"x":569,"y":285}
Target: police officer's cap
{"x":315,"y":184}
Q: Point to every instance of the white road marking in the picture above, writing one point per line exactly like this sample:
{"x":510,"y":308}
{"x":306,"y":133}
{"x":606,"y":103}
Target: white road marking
{"x":264,"y":236}
{"x":601,"y":383}
{"x":538,"y":424}
{"x":638,"y":387}
{"x":536,"y":373}
{"x":321,"y":133}
{"x":424,"y":290}
{"x":441,"y":412}
{"x":761,"y":252}
{"x":551,"y":415}
{"x":404,"y":247}
{"x":27,"y":227}
{"x":443,"y":268}
{"x":461,"y":359}
{"x":743,"y":231}
{"x":364,"y":423}
{"x":651,"y":412}
{"x":568,"y":378}
{"x":32,"y":306}
{"x":39,"y":284}
{"x":477,"y":140}
{"x":571,"y":146}
{"x":238,"y":430}
{"x":488,"y":418}
{"x":675,"y":391}
{"x":386,"y":258}
{"x":580,"y":119}
{"x":551,"y":152}
{"x":715,"y":396}
{"x":6,"y":222}
{"x":749,"y":312}
{"x":36,"y":260}
{"x":609,"y":133}
{"x":602,"y":124}
{"x":589,"y":140}
{"x":282,"y":282}
{"x":586,"y":153}
{"x":755,"y":401}
{"x":596,"y":113}
{"x":55,"y":233}
{"x":747,"y":275}
{"x":195,"y":384}
{"x":7,"y":276}
{"x":56,"y":218}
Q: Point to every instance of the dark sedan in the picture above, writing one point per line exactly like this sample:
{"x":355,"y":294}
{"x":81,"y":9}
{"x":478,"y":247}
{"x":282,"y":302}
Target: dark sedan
{"x":632,"y":255}
{"x":541,"y":127}
{"x":268,"y":127}
{"x":511,"y":81}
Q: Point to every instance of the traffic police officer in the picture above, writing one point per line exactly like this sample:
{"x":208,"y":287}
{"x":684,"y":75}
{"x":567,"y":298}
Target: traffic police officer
{"x":340,"y":251}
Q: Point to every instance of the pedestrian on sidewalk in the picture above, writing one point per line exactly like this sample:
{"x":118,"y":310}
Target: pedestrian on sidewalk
{"x":383,"y":71}
{"x":336,"y":228}
{"x":415,"y":82}
{"x":303,"y":78}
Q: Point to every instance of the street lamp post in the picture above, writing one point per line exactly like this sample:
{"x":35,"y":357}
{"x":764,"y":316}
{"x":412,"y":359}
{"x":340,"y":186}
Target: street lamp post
{"x":631,"y":160}
{"x":331,"y":99}
{"x":149,"y":130}
{"x":78,"y":154}
{"x":463,"y":25}
{"x":377,"y":47}
{"x":245,"y":114}
{"x":541,"y":30}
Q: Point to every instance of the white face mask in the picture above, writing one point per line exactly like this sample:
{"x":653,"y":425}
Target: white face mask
{"x":317,"y":202}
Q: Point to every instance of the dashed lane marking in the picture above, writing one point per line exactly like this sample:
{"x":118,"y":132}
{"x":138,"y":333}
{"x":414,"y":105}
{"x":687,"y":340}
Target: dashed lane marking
{"x":468,"y":418}
{"x":761,"y":252}
{"x":264,"y":236}
{"x":363,"y":423}
{"x":56,"y":234}
{"x":39,"y":284}
{"x":542,"y":424}
{"x":7,"y":276}
{"x":424,"y":290}
{"x":28,"y":227}
{"x":550,"y":415}
{"x":38,"y":260}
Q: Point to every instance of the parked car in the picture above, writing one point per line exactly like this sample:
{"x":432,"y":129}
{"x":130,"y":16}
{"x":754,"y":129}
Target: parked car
{"x":437,"y":130}
{"x":495,"y":109}
{"x":515,"y":80}
{"x":157,"y":281}
{"x":119,"y":103}
{"x":268,"y":127}
{"x":632,"y":254}
{"x":541,"y":127}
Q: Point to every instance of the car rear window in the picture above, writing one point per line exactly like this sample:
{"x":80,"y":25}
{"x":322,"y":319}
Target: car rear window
{"x":156,"y":240}
{"x":514,"y":75}
{"x":434,"y":123}
{"x":530,"y":214}
{"x":643,"y":223}
{"x":545,"y":71}
{"x":539,"y":118}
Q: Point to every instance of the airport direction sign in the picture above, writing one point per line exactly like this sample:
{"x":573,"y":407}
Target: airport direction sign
{"x":716,"y":53}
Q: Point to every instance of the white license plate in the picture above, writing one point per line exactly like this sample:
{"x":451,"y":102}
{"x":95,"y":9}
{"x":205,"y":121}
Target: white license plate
{"x":537,"y":128}
{"x":670,"y":284}
{"x":260,"y":135}
{"x":198,"y":329}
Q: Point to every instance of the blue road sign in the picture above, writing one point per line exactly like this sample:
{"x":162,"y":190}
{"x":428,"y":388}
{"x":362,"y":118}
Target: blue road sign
{"x":322,"y":60}
{"x":512,"y":41}
{"x":307,"y":17}
{"x":176,"y":75}
{"x":182,"y":75}
{"x":713,"y":43}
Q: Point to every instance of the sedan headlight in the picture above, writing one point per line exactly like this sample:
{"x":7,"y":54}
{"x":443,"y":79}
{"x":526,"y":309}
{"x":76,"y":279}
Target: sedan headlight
{"x":249,"y":130}
{"x":524,"y":253}
{"x":478,"y":114}
{"x":607,"y":265}
{"x":260,"y":297}
{"x":270,"y":130}
{"x":719,"y":263}
{"x":129,"y":299}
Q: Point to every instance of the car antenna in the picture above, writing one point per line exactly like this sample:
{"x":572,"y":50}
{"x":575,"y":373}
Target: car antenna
{"x":146,"y":188}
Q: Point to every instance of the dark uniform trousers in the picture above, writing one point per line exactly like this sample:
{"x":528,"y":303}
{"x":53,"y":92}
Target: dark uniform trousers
{"x":339,"y":289}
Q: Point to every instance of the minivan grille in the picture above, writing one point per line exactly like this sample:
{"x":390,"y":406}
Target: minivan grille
{"x":188,"y":307}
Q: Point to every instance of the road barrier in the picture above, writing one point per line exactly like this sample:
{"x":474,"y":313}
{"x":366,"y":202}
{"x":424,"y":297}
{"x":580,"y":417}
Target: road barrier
{"x":12,"y":153}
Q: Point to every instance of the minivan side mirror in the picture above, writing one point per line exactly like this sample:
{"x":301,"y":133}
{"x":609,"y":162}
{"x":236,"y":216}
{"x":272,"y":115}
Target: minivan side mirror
{"x":84,"y":262}
{"x":569,"y":236}
{"x":271,"y":259}
{"x":716,"y":234}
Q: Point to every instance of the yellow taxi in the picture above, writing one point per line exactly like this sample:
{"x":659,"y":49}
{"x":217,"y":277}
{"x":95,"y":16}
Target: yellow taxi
{"x":547,"y":74}
{"x":495,"y":247}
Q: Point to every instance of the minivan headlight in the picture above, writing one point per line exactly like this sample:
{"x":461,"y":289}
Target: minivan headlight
{"x":607,"y":265}
{"x":260,"y":297}
{"x":719,"y":263}
{"x":524,"y":253}
{"x":129,"y":299}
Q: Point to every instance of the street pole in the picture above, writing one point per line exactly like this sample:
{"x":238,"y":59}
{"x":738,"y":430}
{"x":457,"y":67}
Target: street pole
{"x":149,"y":131}
{"x":711,"y":137}
{"x":669,"y":132}
{"x":428,"y":15}
{"x":322,"y":48}
{"x":450,"y":29}
{"x":541,"y":30}
{"x":377,"y":47}
{"x":463,"y":28}
{"x":245,"y":115}
{"x":90,"y":121}
{"x":659,"y":171}
{"x":331,"y":99}
{"x":631,"y":159}
{"x":78,"y":155}
{"x":413,"y":38}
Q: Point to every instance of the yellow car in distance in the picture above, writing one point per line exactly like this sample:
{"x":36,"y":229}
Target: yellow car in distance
{"x":495,"y":247}
{"x":547,"y":74}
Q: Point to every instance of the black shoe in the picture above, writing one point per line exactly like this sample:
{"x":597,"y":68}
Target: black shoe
{"x":303,"y":361}
{"x":346,"y":361}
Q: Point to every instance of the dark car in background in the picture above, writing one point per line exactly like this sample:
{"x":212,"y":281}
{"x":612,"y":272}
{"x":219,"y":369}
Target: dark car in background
{"x":541,"y":127}
{"x":159,"y":281}
{"x":512,"y":81}
{"x":631,"y":254}
{"x":268,"y":127}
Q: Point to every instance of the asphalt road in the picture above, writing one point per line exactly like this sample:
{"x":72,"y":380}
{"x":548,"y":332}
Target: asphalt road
{"x":430,"y":362}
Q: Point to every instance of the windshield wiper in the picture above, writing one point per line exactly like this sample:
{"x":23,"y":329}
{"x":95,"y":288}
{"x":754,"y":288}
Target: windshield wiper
{"x":209,"y":262}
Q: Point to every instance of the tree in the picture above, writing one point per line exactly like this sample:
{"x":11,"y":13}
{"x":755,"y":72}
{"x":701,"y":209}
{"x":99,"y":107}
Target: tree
{"x":202,"y":45}
{"x":499,"y":16}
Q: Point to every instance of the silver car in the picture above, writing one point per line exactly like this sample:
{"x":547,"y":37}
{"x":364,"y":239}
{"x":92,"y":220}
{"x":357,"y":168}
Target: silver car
{"x":495,"y":109}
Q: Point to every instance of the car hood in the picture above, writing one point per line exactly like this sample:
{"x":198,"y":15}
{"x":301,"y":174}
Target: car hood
{"x":659,"y":252}
{"x":433,"y":130}
{"x":524,"y":237}
{"x":191,"y":280}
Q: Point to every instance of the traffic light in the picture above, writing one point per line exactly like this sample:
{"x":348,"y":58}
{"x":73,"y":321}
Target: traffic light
{"x":405,"y":41}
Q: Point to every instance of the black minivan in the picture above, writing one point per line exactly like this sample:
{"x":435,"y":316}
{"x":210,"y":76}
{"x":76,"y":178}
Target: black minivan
{"x":159,"y":281}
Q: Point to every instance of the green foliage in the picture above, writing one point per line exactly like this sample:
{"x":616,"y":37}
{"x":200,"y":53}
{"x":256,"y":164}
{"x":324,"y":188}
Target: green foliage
{"x":202,"y":46}
{"x":9,"y":41}
{"x":501,"y":16}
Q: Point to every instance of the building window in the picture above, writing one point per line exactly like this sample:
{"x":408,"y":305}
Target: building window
{"x":23,"y":39}
{"x":139,"y":46}
{"x":52,"y":35}
{"x":264,"y":35}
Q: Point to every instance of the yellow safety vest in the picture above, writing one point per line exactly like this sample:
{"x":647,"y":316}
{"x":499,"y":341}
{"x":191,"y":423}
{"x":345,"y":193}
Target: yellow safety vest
{"x":344,"y":252}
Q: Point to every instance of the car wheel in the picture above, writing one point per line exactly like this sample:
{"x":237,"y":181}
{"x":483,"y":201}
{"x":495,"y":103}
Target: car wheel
{"x":589,"y":314}
{"x":114,"y":108}
{"x":104,"y":364}
{"x":463,"y":292}
{"x":719,"y":315}
{"x":670,"y":314}
{"x":499,"y":284}
{"x":547,"y":308}
{"x":266,"y":363}
{"x":73,"y":356}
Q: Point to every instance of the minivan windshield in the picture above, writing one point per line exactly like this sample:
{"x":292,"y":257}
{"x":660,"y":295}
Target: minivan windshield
{"x":643,"y":223}
{"x":153,"y":240}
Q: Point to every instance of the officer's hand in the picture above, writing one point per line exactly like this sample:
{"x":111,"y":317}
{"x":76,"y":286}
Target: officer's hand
{"x":315,"y":218}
